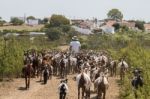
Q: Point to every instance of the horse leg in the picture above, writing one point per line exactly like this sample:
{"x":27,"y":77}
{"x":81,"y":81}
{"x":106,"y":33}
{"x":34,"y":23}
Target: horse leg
{"x":64,"y":96}
{"x":41,"y":76}
{"x":26,"y":82}
{"x":121,"y":76}
{"x":83,"y":91}
{"x":78,"y":92}
{"x":115,"y":71}
{"x":61,"y":72}
{"x":66,"y":72}
{"x":99,"y":94}
{"x":60,"y":95}
{"x":104,"y":94}
{"x":88,"y":93}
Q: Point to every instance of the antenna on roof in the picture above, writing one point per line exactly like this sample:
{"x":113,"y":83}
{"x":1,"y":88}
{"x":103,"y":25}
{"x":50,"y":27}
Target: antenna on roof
{"x":24,"y":17}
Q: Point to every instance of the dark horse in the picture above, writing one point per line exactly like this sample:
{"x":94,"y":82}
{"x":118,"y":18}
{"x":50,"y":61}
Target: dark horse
{"x":62,"y":68}
{"x":27,"y":72}
{"x":45,"y":75}
{"x":137,"y":80}
{"x":63,"y":89}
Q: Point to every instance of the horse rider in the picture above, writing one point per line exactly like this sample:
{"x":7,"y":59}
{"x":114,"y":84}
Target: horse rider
{"x":75,"y":46}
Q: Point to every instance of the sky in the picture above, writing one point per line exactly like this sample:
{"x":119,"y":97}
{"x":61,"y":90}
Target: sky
{"x":85,"y":9}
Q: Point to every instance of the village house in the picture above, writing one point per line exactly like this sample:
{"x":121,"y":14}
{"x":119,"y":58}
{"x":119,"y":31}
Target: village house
{"x":76,"y":21}
{"x":147,"y":27}
{"x":32,"y":22}
{"x":129,"y":24}
{"x":107,"y":26}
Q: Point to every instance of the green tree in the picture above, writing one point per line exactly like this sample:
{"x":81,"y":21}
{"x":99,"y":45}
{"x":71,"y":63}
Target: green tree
{"x":115,"y":14}
{"x":30,"y":17}
{"x":53,"y":33}
{"x":140,"y":24}
{"x":16,"y":21}
{"x":58,"y":20}
{"x":2,"y":21}
{"x":124,"y":28}
{"x":45,"y":20}
{"x":65,"y":28}
{"x":116,"y":26}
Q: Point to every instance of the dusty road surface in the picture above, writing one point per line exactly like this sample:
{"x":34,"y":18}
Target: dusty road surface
{"x":15,"y":89}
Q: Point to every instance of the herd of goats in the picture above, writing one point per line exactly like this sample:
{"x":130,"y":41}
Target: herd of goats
{"x":90,"y":68}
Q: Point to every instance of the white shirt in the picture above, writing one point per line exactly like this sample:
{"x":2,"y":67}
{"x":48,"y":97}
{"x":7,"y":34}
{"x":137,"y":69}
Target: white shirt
{"x":75,"y":45}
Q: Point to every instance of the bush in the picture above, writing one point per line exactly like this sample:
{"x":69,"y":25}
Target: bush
{"x":58,"y":20}
{"x":53,"y":33}
{"x":16,"y":21}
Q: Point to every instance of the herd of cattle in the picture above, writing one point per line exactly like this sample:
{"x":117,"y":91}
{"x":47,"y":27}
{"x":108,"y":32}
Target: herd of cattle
{"x":89,"y":66}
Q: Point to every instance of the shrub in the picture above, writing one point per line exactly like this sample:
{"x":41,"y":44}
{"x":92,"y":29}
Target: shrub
{"x":53,"y":33}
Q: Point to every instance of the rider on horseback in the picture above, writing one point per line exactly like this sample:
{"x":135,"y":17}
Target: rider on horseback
{"x":75,"y":46}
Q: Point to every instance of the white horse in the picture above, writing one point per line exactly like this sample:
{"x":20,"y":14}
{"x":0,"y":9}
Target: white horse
{"x":83,"y":82}
{"x":123,"y":66}
{"x":101,"y":83}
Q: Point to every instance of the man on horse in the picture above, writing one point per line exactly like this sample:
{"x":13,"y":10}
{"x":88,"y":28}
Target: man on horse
{"x":75,"y":46}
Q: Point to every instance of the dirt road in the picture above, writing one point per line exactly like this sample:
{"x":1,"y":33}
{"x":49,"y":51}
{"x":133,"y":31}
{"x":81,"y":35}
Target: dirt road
{"x":15,"y":89}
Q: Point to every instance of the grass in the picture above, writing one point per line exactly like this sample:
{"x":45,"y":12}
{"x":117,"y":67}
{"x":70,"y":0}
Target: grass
{"x":22,"y":27}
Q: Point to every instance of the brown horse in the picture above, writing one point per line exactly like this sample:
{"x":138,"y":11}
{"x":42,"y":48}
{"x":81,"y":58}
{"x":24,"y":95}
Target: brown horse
{"x":27,"y":72}
{"x":62,"y":68}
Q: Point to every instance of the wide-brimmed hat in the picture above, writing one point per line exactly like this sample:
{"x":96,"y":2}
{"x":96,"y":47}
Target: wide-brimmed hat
{"x":74,"y":38}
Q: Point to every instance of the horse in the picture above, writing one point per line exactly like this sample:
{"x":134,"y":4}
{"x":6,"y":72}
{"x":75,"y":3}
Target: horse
{"x":35,"y":65}
{"x":113,"y":68}
{"x":84,"y":83}
{"x":123,"y":68}
{"x":55,"y":66}
{"x":43,"y":70}
{"x":102,"y":85}
{"x":137,"y":81}
{"x":103,"y":60}
{"x":63,"y":89}
{"x":50,"y":68}
{"x":45,"y":74}
{"x":27,"y":72}
{"x":62,"y":68}
{"x":72,"y":64}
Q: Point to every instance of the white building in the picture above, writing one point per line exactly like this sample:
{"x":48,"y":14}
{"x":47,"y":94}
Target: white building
{"x":108,"y":29}
{"x":82,"y":30}
{"x":33,"y":22}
